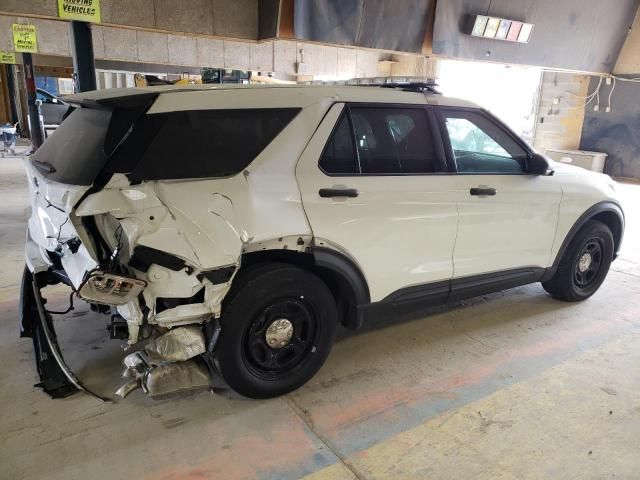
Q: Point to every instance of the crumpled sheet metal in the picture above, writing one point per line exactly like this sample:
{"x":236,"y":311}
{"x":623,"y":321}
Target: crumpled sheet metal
{"x":174,"y":378}
{"x":177,"y":345}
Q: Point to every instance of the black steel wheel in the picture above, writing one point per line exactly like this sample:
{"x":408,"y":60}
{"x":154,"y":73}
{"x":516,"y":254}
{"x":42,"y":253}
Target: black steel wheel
{"x":280,"y":338}
{"x":588,"y":263}
{"x":278,"y":326}
{"x":584,"y":265}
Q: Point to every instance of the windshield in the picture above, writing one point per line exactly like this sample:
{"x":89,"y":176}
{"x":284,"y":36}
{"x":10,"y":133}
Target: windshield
{"x":74,"y":153}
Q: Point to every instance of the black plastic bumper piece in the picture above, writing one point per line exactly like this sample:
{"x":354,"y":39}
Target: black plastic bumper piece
{"x":52,"y":378}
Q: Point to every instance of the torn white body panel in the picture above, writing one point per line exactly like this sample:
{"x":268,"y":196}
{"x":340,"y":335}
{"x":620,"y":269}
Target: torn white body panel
{"x":205,"y":224}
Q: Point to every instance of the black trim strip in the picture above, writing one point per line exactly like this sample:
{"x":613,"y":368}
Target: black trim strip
{"x":413,"y":301}
{"x":475,"y":285}
{"x":419,"y":292}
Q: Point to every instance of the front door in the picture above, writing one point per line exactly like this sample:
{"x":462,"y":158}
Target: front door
{"x":374,"y":186}
{"x":508,"y":217}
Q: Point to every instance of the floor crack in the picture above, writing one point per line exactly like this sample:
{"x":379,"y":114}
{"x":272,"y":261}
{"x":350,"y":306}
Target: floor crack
{"x":490,"y":347}
{"x":625,"y":273}
{"x":303,"y":415}
{"x":471,"y":337}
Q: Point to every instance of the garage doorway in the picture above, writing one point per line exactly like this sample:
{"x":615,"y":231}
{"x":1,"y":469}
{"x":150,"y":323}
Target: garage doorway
{"x":509,"y":92}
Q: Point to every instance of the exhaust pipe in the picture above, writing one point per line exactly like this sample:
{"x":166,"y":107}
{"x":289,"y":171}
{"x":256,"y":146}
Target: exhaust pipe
{"x":167,"y":365}
{"x":171,"y":378}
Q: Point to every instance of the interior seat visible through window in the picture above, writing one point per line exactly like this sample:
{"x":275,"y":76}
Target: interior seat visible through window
{"x":381,"y":141}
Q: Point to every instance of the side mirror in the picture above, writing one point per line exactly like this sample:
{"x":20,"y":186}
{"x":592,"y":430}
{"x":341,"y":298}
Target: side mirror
{"x":539,"y":165}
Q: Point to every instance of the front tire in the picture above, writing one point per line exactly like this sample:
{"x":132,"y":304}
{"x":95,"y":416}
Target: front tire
{"x":584,"y":265}
{"x":278,"y":327}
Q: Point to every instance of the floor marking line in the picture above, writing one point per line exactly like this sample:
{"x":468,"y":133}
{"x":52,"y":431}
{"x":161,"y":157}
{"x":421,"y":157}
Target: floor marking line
{"x":300,"y":413}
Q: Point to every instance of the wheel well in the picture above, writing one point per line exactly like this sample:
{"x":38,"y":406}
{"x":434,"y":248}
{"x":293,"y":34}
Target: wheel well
{"x":606,"y":212}
{"x":611,"y":220}
{"x":341,"y":289}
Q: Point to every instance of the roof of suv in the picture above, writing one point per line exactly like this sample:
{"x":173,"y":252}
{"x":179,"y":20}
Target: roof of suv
{"x":218,"y":96}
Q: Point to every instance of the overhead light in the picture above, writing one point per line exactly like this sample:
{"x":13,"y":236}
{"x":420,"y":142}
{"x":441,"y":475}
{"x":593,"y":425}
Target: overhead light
{"x":498,"y":28}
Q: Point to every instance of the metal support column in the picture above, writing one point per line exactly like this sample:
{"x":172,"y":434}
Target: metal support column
{"x":12,"y":95}
{"x":82,"y":52}
{"x":36,"y":129}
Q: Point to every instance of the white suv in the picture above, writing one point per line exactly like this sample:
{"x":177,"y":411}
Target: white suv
{"x":232,"y":229}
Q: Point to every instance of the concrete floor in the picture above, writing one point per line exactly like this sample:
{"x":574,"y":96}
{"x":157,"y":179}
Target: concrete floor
{"x":510,"y":385}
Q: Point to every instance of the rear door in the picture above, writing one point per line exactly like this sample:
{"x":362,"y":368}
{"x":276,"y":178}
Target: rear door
{"x":508,"y":217}
{"x":374,"y":186}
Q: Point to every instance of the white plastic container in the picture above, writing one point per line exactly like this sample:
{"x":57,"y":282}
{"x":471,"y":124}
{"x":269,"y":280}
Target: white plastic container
{"x":590,"y":160}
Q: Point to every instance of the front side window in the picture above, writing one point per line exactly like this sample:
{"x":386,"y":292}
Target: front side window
{"x":481,"y":146}
{"x":381,"y":141}
{"x":44,"y":97}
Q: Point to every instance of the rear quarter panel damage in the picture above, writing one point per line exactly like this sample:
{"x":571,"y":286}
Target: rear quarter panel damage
{"x":208,"y":223}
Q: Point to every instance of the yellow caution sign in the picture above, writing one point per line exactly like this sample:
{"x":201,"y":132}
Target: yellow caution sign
{"x":83,"y":10}
{"x":7,"y":57}
{"x":24,"y":38}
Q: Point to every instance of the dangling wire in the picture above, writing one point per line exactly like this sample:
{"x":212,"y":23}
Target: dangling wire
{"x":613,"y":87}
{"x":67,"y":310}
{"x":116,"y":252}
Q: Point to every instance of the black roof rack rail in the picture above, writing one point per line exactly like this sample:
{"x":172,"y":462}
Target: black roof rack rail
{"x":419,"y":87}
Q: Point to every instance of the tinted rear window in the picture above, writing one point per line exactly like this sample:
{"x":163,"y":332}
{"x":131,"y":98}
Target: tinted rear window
{"x":75,"y":150}
{"x":198,"y":143}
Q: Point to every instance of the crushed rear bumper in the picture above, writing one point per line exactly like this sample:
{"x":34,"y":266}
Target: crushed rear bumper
{"x":56,"y":379}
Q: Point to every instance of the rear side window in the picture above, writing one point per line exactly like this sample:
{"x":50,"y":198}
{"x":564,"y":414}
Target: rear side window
{"x":199,"y":143}
{"x":381,"y":141}
{"x":74,"y":153}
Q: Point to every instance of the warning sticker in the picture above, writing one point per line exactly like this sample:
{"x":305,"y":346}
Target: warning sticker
{"x":83,"y":10}
{"x":7,"y":57}
{"x":24,"y":38}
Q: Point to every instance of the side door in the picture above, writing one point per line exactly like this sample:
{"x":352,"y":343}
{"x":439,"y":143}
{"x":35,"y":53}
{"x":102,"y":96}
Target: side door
{"x":374,"y":186}
{"x":507,"y":217}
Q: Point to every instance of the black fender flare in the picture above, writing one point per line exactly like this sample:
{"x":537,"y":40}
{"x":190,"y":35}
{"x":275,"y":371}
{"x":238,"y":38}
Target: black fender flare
{"x":346,"y":268}
{"x":600,"y":207}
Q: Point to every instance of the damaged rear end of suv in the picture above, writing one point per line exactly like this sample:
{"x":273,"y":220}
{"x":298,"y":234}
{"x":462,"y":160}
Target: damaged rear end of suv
{"x":230,"y":230}
{"x":145,"y":203}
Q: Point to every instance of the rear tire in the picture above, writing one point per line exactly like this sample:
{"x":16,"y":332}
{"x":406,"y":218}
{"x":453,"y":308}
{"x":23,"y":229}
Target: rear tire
{"x":278,"y":327}
{"x":584,"y":265}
